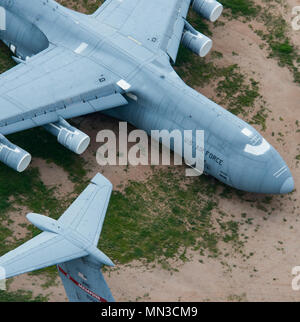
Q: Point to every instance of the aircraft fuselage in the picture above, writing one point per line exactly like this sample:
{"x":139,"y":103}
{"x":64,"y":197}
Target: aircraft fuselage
{"x":235,"y":153}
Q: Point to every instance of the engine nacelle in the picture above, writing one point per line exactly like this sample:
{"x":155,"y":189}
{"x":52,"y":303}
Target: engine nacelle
{"x":13,"y":156}
{"x":197,"y":42}
{"x":209,"y":9}
{"x":68,"y":136}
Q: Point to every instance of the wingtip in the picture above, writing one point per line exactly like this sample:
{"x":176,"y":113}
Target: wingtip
{"x":110,"y":263}
{"x":100,"y":180}
{"x":30,"y":216}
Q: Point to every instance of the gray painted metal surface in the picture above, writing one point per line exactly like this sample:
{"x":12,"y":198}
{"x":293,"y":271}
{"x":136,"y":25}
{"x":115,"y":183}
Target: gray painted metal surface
{"x":70,"y":64}
{"x":71,"y":242}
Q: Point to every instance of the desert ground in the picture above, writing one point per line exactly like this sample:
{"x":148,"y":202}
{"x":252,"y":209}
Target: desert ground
{"x":239,"y":246}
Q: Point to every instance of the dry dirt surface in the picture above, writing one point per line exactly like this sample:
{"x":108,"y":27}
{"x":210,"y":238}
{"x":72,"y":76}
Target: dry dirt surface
{"x":273,"y":243}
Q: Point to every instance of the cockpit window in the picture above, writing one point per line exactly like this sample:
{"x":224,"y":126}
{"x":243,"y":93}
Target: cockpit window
{"x":247,"y":132}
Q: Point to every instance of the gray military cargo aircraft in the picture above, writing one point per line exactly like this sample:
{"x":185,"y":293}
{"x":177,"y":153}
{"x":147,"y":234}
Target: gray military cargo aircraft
{"x":70,"y":243}
{"x":119,"y":61}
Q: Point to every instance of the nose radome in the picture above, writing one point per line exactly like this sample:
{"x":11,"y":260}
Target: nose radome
{"x":287,"y":186}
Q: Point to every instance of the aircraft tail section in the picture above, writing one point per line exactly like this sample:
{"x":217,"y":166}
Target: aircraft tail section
{"x":83,"y":281}
{"x":71,"y":244}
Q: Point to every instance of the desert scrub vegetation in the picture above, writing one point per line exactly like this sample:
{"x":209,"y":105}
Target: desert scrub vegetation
{"x":246,"y":8}
{"x":279,"y":43}
{"x":5,"y":58}
{"x":161,"y":219}
{"x":86,"y":6}
{"x":20,"y":296}
{"x":234,"y":90}
{"x":275,"y":32}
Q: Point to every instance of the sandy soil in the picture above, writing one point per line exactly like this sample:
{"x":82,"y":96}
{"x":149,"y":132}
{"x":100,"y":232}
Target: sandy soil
{"x":54,"y":176}
{"x":119,"y":175}
{"x":17,"y":223}
{"x":266,"y":276}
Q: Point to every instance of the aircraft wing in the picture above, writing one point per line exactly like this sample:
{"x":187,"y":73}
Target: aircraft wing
{"x":155,"y":24}
{"x":84,"y":282}
{"x":87,"y":213}
{"x":56,"y":82}
{"x":44,"y":250}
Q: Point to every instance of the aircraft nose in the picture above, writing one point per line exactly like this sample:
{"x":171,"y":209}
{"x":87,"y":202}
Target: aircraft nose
{"x":287,"y":186}
{"x":275,"y":182}
{"x":262,"y":170}
{"x":278,"y":179}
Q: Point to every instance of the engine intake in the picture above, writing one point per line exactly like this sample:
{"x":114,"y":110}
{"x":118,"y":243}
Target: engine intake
{"x":209,"y":9}
{"x":68,"y":136}
{"x":13,"y":156}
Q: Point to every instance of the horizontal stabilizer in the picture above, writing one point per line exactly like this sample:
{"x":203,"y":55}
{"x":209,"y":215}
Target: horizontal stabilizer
{"x":44,"y":250}
{"x":73,"y":236}
{"x":86,"y":215}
